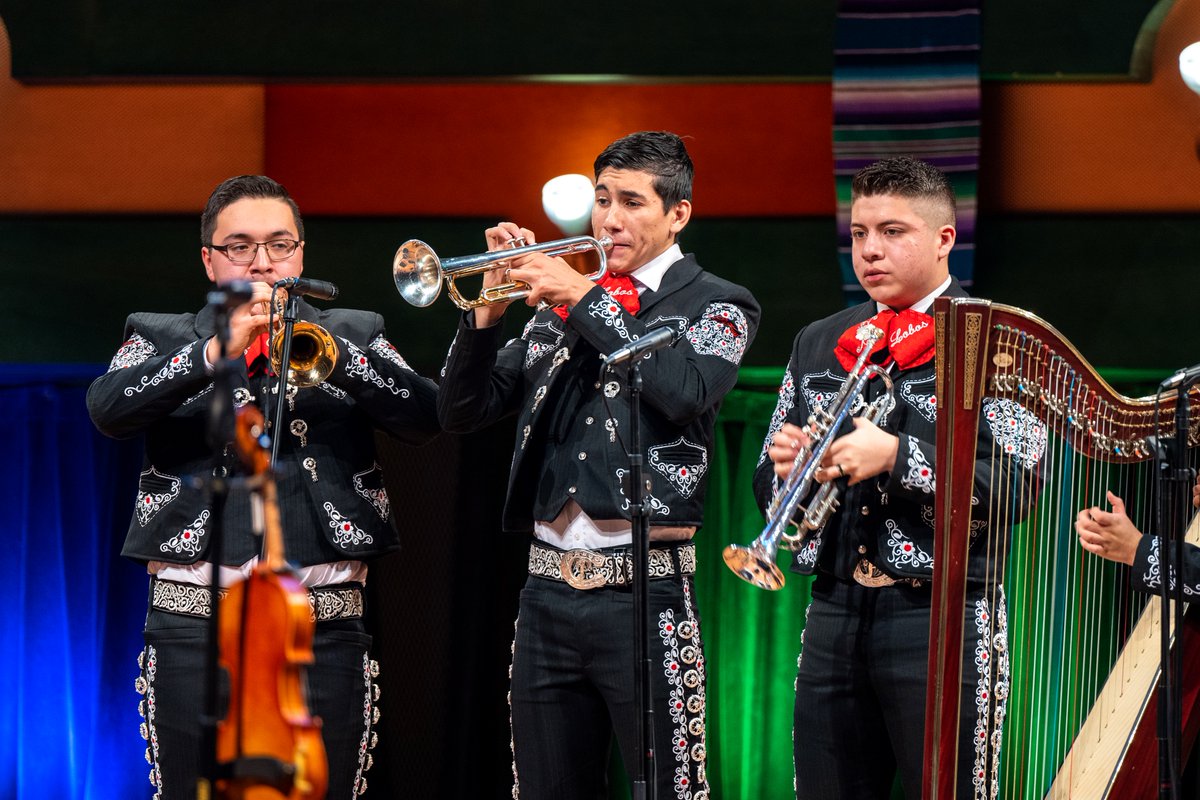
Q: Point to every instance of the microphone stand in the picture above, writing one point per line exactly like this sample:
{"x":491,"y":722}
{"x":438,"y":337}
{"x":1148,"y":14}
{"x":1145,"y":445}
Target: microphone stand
{"x":221,"y":423}
{"x":1174,"y":477}
{"x":290,"y":313}
{"x":643,"y":783}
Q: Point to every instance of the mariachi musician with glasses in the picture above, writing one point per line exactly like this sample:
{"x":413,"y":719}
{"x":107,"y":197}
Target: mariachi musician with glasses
{"x":335,"y":510}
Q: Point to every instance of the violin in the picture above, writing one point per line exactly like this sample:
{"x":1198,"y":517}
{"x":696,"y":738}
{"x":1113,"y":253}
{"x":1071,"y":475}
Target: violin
{"x":269,"y":746}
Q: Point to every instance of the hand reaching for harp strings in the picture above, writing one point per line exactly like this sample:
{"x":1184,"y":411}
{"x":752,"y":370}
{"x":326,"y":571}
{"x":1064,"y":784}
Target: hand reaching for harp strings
{"x":1113,"y":535}
{"x":1108,"y":534}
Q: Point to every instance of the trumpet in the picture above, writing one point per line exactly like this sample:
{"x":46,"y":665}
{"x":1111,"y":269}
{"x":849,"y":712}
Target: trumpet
{"x":755,"y":562}
{"x":313,"y":355}
{"x":419,"y":273}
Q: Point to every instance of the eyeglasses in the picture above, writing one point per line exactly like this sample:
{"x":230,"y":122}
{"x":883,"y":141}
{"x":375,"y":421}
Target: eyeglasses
{"x":246,"y":252}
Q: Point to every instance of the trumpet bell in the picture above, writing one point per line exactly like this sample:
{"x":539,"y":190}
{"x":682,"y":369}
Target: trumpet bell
{"x":755,"y":565}
{"x":417,"y":271}
{"x":312,"y":358}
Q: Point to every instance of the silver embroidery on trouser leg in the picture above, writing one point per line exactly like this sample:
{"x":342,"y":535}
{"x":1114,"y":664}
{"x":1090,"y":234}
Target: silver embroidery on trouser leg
{"x":991,"y":693}
{"x":512,"y":747}
{"x":370,"y":720}
{"x":683,"y":665}
{"x":795,"y":686}
{"x":148,"y":663}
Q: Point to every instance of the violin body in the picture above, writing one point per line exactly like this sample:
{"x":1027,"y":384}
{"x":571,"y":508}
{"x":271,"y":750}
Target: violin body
{"x":269,"y":746}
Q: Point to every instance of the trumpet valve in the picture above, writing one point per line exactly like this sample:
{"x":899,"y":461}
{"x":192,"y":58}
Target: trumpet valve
{"x":821,"y":510}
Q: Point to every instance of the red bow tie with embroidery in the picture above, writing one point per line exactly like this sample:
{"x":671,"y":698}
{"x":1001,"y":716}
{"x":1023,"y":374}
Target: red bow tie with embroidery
{"x":258,"y":356}
{"x":620,"y":288}
{"x":907,"y":339}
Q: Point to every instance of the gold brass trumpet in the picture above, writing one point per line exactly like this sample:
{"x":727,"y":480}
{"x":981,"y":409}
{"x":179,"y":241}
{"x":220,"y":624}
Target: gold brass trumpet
{"x":755,"y":562}
{"x":419,"y":272}
{"x":313,"y":355}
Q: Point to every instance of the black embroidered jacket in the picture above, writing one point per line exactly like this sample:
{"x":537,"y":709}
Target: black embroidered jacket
{"x":889,"y":519}
{"x":573,"y":422}
{"x":331,"y":495}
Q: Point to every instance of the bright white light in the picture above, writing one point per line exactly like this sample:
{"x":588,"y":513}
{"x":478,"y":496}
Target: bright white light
{"x":568,"y":202}
{"x":1189,"y":66}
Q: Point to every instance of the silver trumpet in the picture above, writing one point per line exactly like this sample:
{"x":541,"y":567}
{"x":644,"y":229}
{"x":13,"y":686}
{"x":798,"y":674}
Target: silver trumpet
{"x":755,"y":562}
{"x":419,"y":273}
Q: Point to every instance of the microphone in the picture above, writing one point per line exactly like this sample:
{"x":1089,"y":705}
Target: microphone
{"x":231,"y":294}
{"x":322,"y":290}
{"x":648,"y":342}
{"x":1184,"y":376}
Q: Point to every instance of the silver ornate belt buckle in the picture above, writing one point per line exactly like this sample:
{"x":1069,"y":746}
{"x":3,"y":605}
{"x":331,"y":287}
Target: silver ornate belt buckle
{"x":582,"y":569}
{"x":867,"y":574}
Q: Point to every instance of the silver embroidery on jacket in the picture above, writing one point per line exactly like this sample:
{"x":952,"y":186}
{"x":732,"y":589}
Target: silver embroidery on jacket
{"x":925,"y":402}
{"x":386,"y":349}
{"x":359,"y":366}
{"x":180,"y":363}
{"x":189,"y":539}
{"x":1019,"y":433}
{"x":150,"y":503}
{"x":378,"y":498}
{"x":133,"y":352}
{"x":787,"y":399}
{"x":721,"y":331}
{"x":610,"y":312}
{"x":345,"y":532}
{"x":919,"y":474}
{"x":682,"y":463}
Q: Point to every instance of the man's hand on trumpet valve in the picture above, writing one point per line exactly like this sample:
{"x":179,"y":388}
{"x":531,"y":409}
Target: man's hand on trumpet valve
{"x":246,"y":323}
{"x":784,"y":446}
{"x":502,"y":236}
{"x":863,"y":453}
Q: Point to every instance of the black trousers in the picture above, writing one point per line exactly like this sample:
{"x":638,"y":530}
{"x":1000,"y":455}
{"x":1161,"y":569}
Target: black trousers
{"x":860,"y":691}
{"x":573,"y":684}
{"x":341,"y":692}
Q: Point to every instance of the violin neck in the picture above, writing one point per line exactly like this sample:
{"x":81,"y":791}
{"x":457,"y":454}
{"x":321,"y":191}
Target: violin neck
{"x":273,"y":553}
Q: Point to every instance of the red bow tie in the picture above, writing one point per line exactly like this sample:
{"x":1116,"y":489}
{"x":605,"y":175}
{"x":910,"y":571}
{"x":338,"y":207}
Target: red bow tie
{"x":907,"y":339}
{"x":258,"y":356}
{"x":620,"y":288}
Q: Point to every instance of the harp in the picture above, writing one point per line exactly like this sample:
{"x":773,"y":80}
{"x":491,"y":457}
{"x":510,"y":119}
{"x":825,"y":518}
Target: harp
{"x":1082,"y":648}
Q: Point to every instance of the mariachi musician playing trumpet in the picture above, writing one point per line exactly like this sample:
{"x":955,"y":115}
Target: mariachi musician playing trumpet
{"x":573,"y":671}
{"x":860,"y":686}
{"x":335,"y":510}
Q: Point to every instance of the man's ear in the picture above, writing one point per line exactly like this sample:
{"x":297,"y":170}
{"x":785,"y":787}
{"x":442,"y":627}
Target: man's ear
{"x":946,"y":236}
{"x":206,"y":257}
{"x":680,"y":214}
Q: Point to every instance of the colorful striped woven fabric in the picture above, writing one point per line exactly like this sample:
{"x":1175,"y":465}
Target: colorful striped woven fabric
{"x":906,"y":82}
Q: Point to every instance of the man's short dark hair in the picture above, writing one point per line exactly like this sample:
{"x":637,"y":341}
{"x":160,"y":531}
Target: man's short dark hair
{"x":906,"y":177}
{"x":659,"y":153}
{"x":240,"y":188}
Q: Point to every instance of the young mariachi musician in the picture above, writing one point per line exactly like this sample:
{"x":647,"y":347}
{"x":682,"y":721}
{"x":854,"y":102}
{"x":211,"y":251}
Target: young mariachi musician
{"x":573,"y":671}
{"x":860,"y":684}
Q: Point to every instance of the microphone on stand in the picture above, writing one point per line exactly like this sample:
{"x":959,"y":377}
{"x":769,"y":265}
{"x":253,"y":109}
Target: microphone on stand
{"x":322,"y":290}
{"x":1189,"y":375}
{"x":231,"y":294}
{"x":652,"y":340}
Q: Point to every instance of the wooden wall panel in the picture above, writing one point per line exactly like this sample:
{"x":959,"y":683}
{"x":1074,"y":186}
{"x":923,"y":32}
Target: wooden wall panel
{"x":126,"y":148}
{"x":486,"y":149}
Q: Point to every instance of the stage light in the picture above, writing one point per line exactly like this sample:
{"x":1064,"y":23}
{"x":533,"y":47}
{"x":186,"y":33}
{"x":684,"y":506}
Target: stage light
{"x":1189,"y":66}
{"x":567,"y":200}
